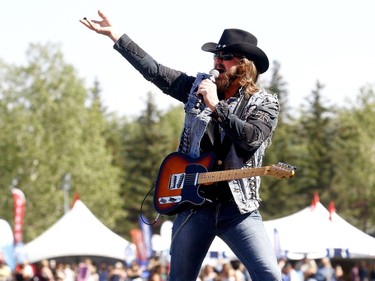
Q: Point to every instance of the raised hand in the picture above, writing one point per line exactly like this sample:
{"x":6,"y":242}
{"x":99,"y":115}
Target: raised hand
{"x":103,"y":26}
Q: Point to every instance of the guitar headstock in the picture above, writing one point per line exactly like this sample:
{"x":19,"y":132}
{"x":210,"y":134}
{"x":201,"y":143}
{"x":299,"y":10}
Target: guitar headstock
{"x":281,"y":170}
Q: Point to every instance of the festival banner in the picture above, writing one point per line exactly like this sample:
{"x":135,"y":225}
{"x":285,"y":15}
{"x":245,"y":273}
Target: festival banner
{"x":19,"y":214}
{"x":138,"y":240}
{"x":147,"y":234}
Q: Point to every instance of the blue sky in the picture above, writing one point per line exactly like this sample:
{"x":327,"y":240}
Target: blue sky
{"x":326,"y":40}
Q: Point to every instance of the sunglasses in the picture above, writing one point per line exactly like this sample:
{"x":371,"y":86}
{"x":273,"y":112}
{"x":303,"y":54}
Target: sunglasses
{"x":225,"y":56}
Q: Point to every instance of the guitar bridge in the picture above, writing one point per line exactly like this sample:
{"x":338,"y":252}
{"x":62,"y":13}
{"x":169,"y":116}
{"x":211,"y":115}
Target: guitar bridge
{"x":169,"y":199}
{"x":177,"y":181}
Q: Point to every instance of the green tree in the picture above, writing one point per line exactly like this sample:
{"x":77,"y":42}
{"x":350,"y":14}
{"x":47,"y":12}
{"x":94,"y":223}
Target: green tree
{"x":317,"y":132}
{"x":146,"y":144}
{"x":48,"y":132}
{"x":354,"y":150}
{"x":275,"y":193}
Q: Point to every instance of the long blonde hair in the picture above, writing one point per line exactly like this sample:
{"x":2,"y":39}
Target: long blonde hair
{"x":248,"y":76}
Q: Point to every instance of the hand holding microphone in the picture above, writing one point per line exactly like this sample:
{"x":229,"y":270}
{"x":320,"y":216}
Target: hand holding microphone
{"x":204,"y":84}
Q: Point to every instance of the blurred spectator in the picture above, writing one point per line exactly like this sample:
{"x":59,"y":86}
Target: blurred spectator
{"x":207,"y":273}
{"x":339,"y":273}
{"x":103,"y":272}
{"x":5,"y":271}
{"x":43,"y":272}
{"x":363,"y":271}
{"x":84,"y":270}
{"x":94,"y":276}
{"x":309,"y":270}
{"x":359,"y":272}
{"x":325,"y":270}
{"x":118,"y":273}
{"x":69,"y":273}
{"x":354,"y":273}
{"x":238,"y":271}
{"x":60,"y":272}
{"x":24,"y":272}
{"x":227,"y":272}
{"x":134,"y":271}
{"x":290,"y":274}
{"x":156,"y":273}
{"x":372,"y":271}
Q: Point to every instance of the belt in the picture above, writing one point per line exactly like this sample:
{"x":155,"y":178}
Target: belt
{"x":218,"y":192}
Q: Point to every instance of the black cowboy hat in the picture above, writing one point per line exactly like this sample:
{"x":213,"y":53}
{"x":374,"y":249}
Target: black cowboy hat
{"x":240,"y":42}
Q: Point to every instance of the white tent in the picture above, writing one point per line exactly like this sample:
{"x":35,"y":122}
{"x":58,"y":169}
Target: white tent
{"x":316,"y":232}
{"x":344,"y":235}
{"x":78,"y":233}
{"x":7,"y":244}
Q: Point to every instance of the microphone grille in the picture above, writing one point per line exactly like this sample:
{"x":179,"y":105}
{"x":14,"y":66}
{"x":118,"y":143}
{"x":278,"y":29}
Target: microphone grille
{"x":215,"y":73}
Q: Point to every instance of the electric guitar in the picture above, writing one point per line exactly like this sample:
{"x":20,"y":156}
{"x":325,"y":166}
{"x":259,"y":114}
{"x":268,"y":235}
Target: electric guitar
{"x":177,"y":185}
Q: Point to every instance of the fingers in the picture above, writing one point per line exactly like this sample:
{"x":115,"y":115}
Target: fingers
{"x":101,"y":14}
{"x":87,"y":23}
{"x":102,"y":26}
{"x":207,"y":88}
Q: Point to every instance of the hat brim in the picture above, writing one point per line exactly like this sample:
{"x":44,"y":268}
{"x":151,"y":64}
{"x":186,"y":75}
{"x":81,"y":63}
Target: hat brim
{"x":250,"y":51}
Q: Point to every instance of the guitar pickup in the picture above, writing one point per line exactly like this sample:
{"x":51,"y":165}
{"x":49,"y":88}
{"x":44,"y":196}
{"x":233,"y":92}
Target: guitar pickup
{"x":169,"y":199}
{"x":176,"y":181}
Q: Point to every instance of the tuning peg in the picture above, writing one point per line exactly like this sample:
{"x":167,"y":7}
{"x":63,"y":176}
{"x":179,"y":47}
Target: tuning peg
{"x":287,"y":166}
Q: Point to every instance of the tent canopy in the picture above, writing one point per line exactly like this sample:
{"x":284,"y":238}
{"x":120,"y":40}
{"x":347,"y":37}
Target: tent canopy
{"x":316,"y":232}
{"x":78,"y":233}
{"x":7,"y":244}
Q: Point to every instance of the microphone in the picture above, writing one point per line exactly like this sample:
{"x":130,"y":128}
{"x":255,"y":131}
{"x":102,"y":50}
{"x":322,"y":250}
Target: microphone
{"x":212,"y":76}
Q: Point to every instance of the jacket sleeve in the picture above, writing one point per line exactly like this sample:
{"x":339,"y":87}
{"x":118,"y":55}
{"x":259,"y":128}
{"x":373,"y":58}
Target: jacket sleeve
{"x":170,"y":81}
{"x":255,"y":126}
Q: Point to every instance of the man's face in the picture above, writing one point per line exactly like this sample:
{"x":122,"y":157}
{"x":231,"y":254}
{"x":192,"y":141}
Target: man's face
{"x":226,"y":64}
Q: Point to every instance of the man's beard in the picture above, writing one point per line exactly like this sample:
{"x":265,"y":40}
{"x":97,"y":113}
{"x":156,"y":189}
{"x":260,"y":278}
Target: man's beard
{"x":224,"y":83}
{"x":221,"y":85}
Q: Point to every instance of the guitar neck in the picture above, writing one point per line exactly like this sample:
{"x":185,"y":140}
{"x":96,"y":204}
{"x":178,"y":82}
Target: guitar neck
{"x":211,"y":177}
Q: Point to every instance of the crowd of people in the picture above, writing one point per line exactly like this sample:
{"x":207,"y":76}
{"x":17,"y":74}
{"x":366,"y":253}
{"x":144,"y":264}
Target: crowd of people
{"x":87,"y":270}
{"x":324,"y":270}
{"x":157,"y":270}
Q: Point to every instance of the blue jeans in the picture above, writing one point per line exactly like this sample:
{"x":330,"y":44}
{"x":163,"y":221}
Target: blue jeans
{"x":194,"y":231}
